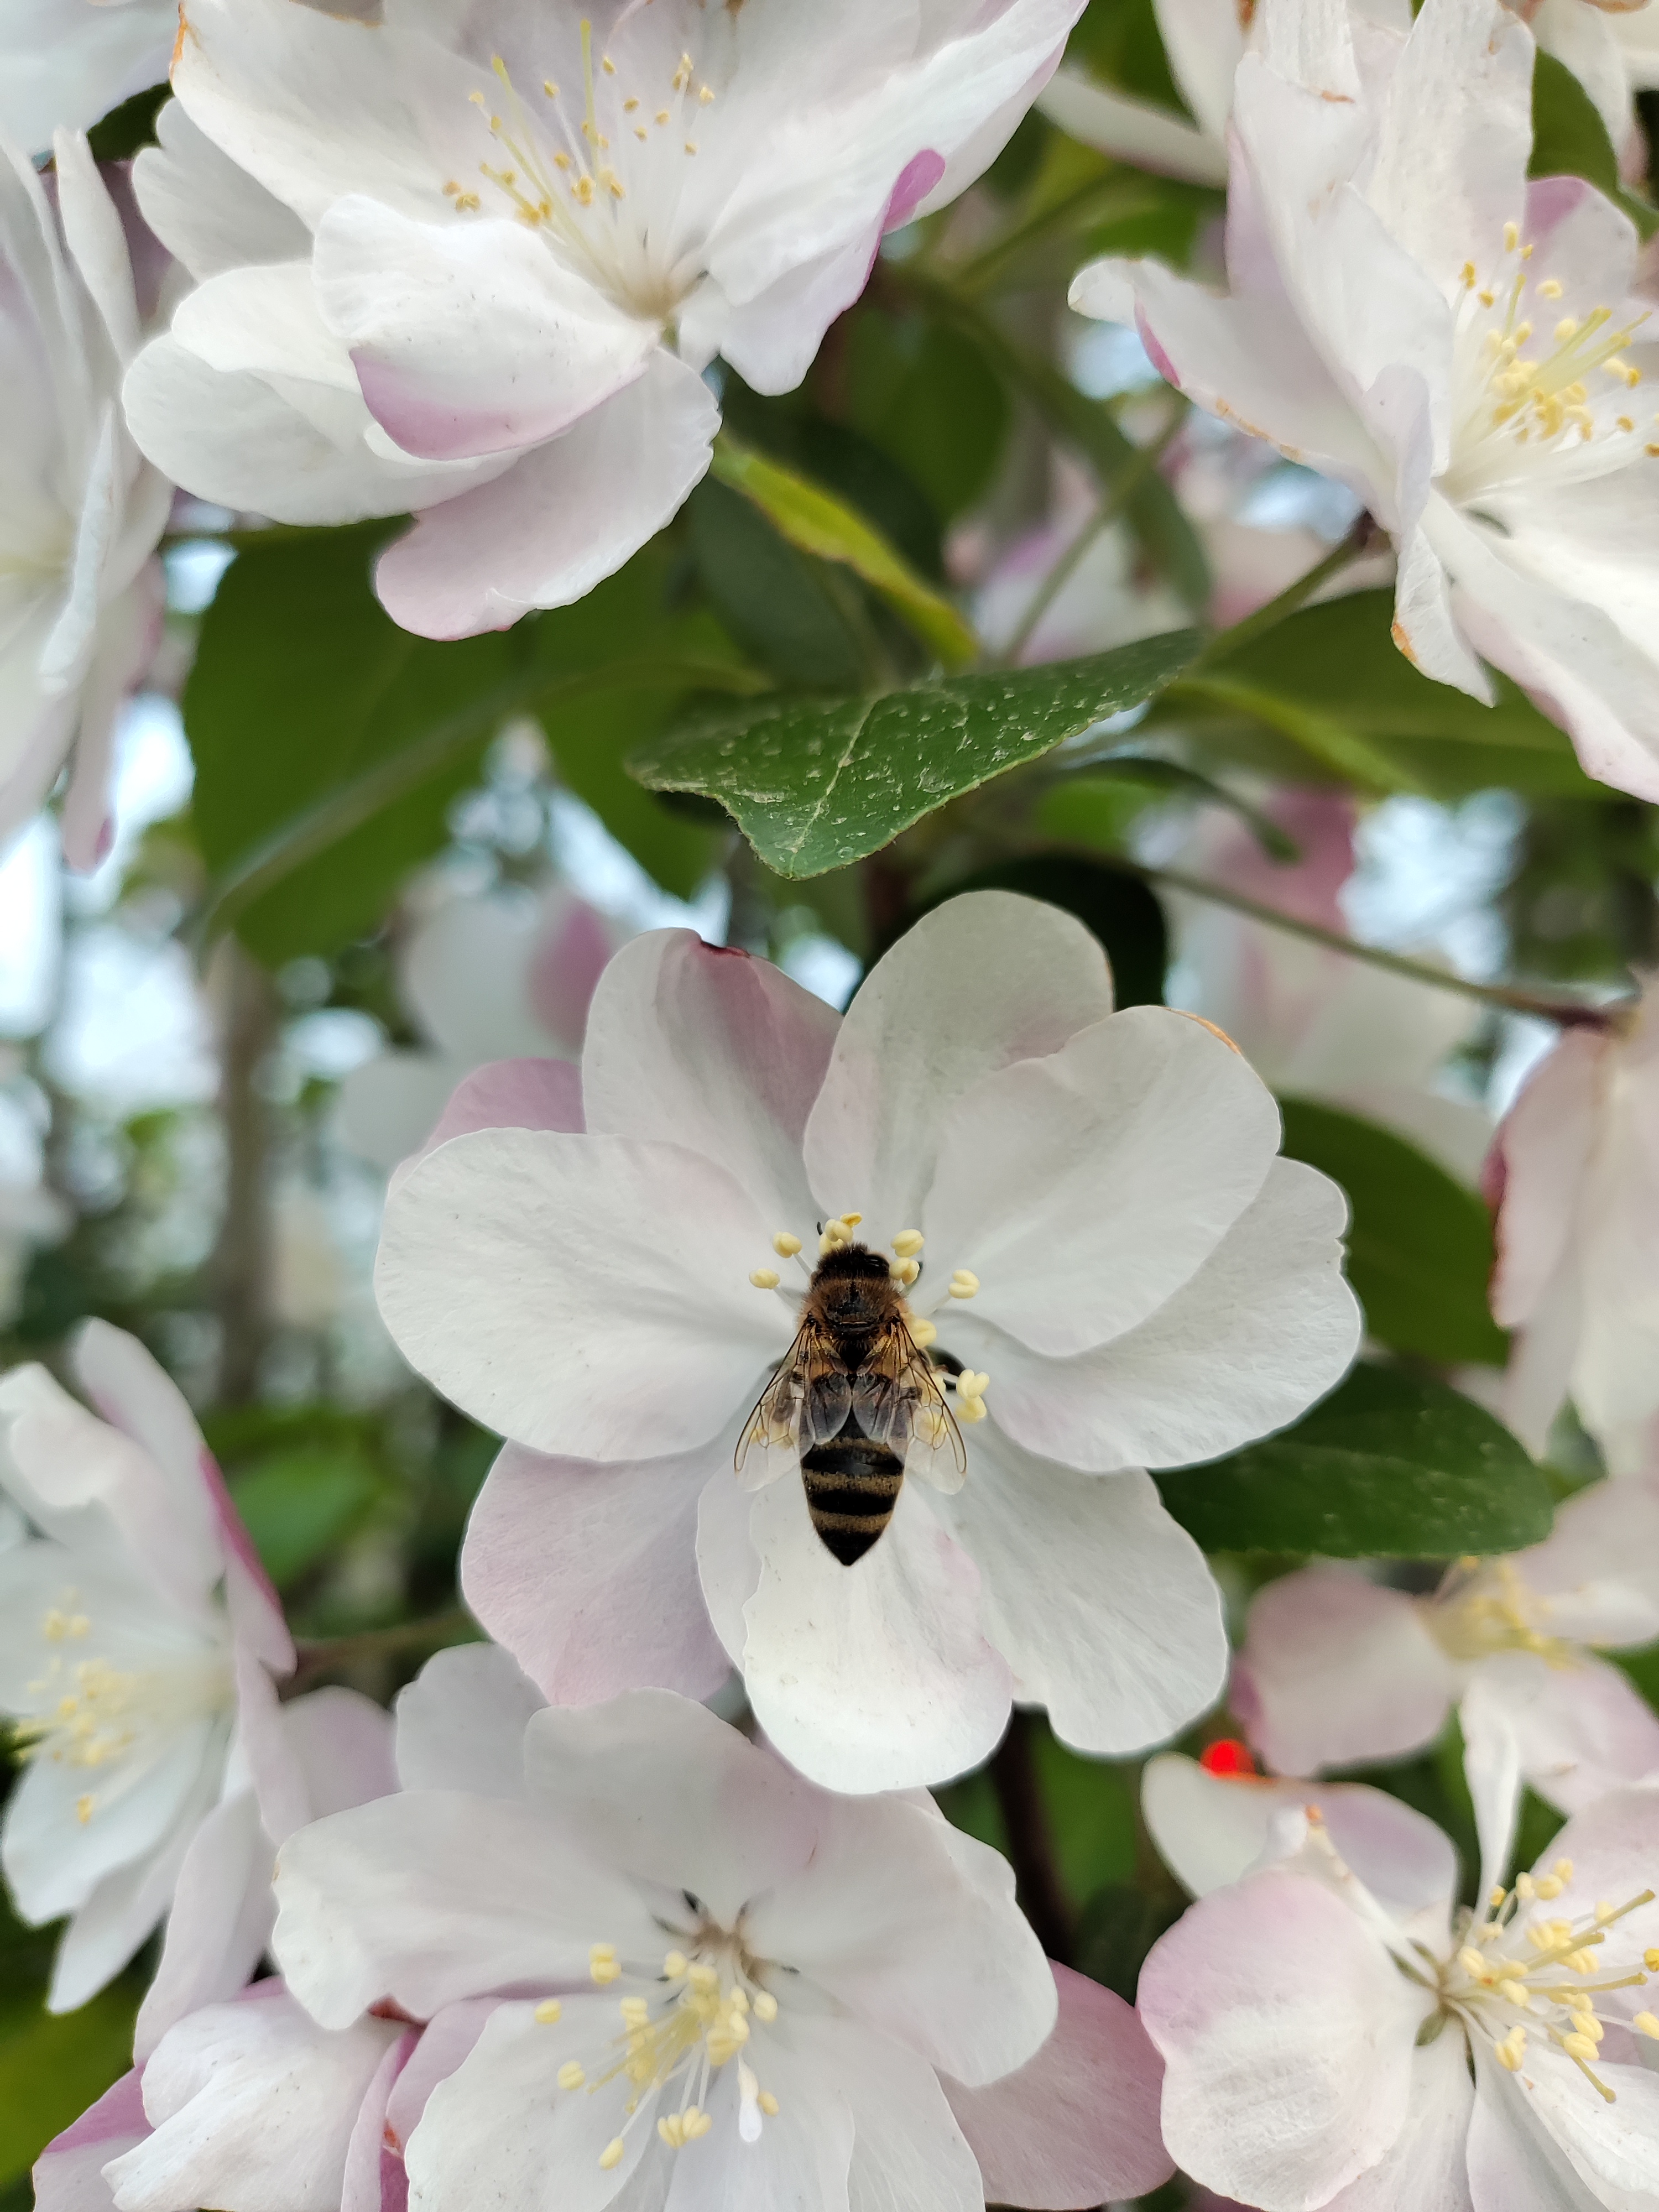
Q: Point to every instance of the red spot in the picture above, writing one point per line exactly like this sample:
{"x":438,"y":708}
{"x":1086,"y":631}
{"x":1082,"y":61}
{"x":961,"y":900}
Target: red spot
{"x":1227,"y":1757}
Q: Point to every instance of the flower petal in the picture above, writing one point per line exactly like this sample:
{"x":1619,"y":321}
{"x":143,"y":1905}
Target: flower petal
{"x":1543,"y":2140}
{"x":587,"y":1296}
{"x":1287,"y":2037}
{"x":700,"y":1045}
{"x":877,"y":1676}
{"x":1426,"y":2166}
{"x":375,"y":2177}
{"x":434,"y":1896}
{"x":1612,"y":1845}
{"x":69,"y":2174}
{"x":220,"y":1923}
{"x":1077,"y":2124}
{"x":566,"y":515}
{"x":983,"y":980}
{"x":461,"y":1723}
{"x":1336,"y":1669}
{"x":587,"y":1572}
{"x":1515,"y":2164}
{"x":908,"y":2147}
{"x":1146,"y":1136}
{"x":205,"y":208}
{"x":1598,"y":1569}
{"x":657,"y":1787}
{"x":508,"y":1094}
{"x":1101,"y":1603}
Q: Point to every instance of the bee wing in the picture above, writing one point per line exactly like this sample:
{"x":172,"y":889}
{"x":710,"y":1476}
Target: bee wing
{"x":888,"y":1389}
{"x":808,"y":1396}
{"x":775,"y":1408}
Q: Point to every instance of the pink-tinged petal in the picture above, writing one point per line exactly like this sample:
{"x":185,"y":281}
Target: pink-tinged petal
{"x":1245,"y":360}
{"x":1078,"y":2123}
{"x":916,"y":180}
{"x":460,"y":1723}
{"x":1101,"y":1602}
{"x":587,"y":1573}
{"x":565,"y":969}
{"x":704,"y":1046}
{"x":878,"y":1676}
{"x":1212,"y":1829}
{"x":1426,"y":2167}
{"x":912,"y":1927}
{"x":1544,"y":1145}
{"x":1287,"y":2035}
{"x":449,"y":2036}
{"x":1144,"y":1134}
{"x":672,"y":1797}
{"x":983,"y":981}
{"x":219,"y":1922}
{"x":1265,"y":1326}
{"x":567,"y":514}
{"x":1598,"y":1569}
{"x":433,"y":1896}
{"x":251,"y":1598}
{"x":1336,"y":1670}
{"x":263,"y":1743}
{"x":508,"y":1094}
{"x":373,"y":2169}
{"x":343,"y":1742}
{"x":587,"y":1297}
{"x":1612,"y":1845}
{"x":468,"y":339}
{"x":69,"y":2174}
{"x":253,"y":2106}
{"x":1581,"y":1730}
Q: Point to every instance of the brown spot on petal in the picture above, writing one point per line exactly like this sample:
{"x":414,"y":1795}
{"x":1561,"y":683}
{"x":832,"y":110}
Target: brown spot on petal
{"x":1397,"y":632}
{"x":1211,"y":1026}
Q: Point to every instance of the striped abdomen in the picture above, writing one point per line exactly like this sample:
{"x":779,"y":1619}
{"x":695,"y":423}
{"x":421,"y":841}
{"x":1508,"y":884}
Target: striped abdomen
{"x":852,"y":1489}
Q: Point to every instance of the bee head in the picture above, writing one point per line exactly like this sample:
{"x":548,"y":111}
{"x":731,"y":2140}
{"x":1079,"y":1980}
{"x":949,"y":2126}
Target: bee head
{"x":853,"y":1287}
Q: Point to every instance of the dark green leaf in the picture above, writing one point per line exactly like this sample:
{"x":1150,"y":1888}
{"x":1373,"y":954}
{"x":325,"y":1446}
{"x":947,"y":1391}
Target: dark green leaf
{"x":1121,"y":911}
{"x":796,"y":616}
{"x":298,"y":1506}
{"x":1336,"y":663}
{"x":1569,"y":139}
{"x":52,"y":2067}
{"x":1391,"y":1465}
{"x":1420,"y":1244}
{"x":815,"y":784}
{"x":927,"y":398}
{"x":1117,"y":1929}
{"x":128,"y":128}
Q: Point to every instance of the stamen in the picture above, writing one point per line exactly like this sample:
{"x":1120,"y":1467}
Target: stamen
{"x":964,"y":1284}
{"x":785,"y":1245}
{"x":908,"y":1242}
{"x":548,"y":2010}
{"x":765,"y":1278}
{"x":612,"y":2155}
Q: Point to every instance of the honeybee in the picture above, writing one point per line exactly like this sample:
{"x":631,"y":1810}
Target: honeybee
{"x":853,"y":1389}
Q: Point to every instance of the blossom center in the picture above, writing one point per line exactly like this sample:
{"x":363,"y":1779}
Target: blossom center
{"x":598,"y":171}
{"x":91,"y":1715}
{"x":681,"y":2026}
{"x":1530,"y":383}
{"x":1520,"y":1973}
{"x":1486,"y":1607}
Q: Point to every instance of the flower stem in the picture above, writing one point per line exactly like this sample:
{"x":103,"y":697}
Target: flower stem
{"x":328,"y":1655}
{"x":1361,"y":539}
{"x":1568,"y":1012}
{"x":1044,"y":1897}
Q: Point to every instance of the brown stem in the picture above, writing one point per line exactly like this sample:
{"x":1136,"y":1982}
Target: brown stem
{"x":328,"y":1655}
{"x":1043,"y":1896}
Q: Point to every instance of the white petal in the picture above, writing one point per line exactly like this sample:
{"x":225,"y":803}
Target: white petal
{"x":1336,"y":1669}
{"x":1426,"y":2165}
{"x":1514,"y":2165}
{"x":69,"y":2173}
{"x":468,"y":339}
{"x":701,"y":1046}
{"x":461,"y":1723}
{"x":1145,"y":1136}
{"x":983,"y":980}
{"x":1598,"y":1569}
{"x":253,"y":2106}
{"x":878,"y":1676}
{"x":566,"y":515}
{"x":343,"y":1744}
{"x":434,"y":1896}
{"x":1545,"y":2140}
{"x":372,"y":2176}
{"x":657,"y":1787}
{"x":1133,"y":130}
{"x":586,"y":1295}
{"x":120,"y":1914}
{"x":205,"y":208}
{"x":1101,"y":1603}
{"x":1611,"y":1847}
{"x":908,"y":2151}
{"x":801,"y":2158}
{"x":220,"y":1923}
{"x":264,"y":321}
{"x":587,"y":1571}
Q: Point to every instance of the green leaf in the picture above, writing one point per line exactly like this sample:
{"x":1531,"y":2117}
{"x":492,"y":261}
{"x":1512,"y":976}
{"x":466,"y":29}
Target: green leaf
{"x":54,"y":2067}
{"x":820,"y":524}
{"x":298,"y":1505}
{"x":1125,"y":916}
{"x":1337,"y":662}
{"x":1390,"y":1465}
{"x":1098,"y":806}
{"x":926,"y":396}
{"x":1569,"y":139}
{"x":814,"y":784}
{"x":329,"y":744}
{"x":1420,"y":1244}
{"x":800,"y":618}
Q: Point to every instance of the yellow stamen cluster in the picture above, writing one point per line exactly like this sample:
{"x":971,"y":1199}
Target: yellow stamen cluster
{"x":837,"y":1235}
{"x":1485,"y":1606}
{"x":970,"y":1395}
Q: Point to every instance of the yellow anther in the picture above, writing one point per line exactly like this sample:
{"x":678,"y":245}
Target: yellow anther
{"x":1549,"y":1886}
{"x":1548,"y":288}
{"x":765,"y":1278}
{"x":851,"y":1220}
{"x":691,"y":148}
{"x":737,"y":1999}
{"x":1487,"y":296}
{"x":785,"y":1245}
{"x":612,"y":2155}
{"x":705,"y":96}
{"x":607,"y":65}
{"x":1468,"y":275}
{"x":1511,"y":237}
{"x":908,"y":1242}
{"x":548,"y":2010}
{"x":768,"y":2104}
{"x":1512,"y":2051}
{"x":635,"y":2012}
{"x":922,"y":1332}
{"x":1624,"y":423}
{"x":1495,"y":1897}
{"x":1650,"y":1960}
{"x":603,"y":1964}
{"x":669,"y":2129}
{"x":1524,"y":1889}
{"x":1580,"y":1962}
{"x":1516,"y":1994}
{"x":766,"y":2009}
{"x":83,"y":1810}
{"x":702,"y":1976}
{"x":572,"y":2075}
{"x":904,"y":1271}
{"x":971,"y":1410}
{"x":697,"y":2124}
{"x":1578,"y":2046}
{"x":964,"y":1284}
{"x":550,"y":88}
{"x":662,"y":115}
{"x":1645,"y":2024}
{"x":1587,"y":2024}
{"x":1472,"y":1964}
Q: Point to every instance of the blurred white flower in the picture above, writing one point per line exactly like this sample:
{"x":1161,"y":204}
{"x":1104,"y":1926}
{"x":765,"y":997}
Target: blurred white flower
{"x":500,"y":977}
{"x":81,"y":594}
{"x":63,"y":64}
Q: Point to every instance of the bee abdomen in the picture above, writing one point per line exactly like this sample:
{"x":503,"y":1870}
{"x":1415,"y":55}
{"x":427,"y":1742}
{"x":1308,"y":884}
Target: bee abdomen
{"x":851,"y":1488}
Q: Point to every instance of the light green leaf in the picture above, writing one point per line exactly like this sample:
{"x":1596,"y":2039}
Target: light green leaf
{"x":815,"y":784}
{"x":54,"y":2067}
{"x":1390,"y":1465}
{"x":820,"y":524}
{"x":1569,"y":139}
{"x":1420,"y":1244}
{"x":1328,"y":739}
{"x":298,"y":1505}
